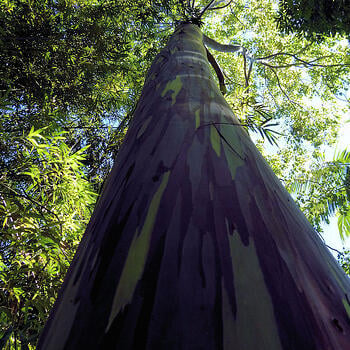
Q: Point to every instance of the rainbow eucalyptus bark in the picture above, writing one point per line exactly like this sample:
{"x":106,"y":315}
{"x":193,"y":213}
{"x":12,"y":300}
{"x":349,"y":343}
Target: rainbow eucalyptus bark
{"x":194,"y":243}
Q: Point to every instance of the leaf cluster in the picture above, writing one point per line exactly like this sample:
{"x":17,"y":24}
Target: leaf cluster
{"x":344,"y":261}
{"x":45,"y":205}
{"x":59,"y":50}
{"x":324,"y":191}
{"x":314,"y":18}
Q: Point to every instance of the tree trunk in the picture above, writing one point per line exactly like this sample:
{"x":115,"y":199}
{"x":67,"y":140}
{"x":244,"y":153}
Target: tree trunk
{"x":194,"y":243}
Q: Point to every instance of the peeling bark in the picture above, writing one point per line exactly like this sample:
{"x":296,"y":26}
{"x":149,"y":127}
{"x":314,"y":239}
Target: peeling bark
{"x":194,"y":243}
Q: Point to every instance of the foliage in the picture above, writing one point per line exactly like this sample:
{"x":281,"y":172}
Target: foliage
{"x":43,"y":218}
{"x":327,"y":190}
{"x":314,"y":18}
{"x":64,"y":50}
{"x":323,"y":191}
{"x":344,"y":260}
{"x":283,"y":76}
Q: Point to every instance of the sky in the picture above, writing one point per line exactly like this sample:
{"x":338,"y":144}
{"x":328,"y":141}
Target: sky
{"x":331,"y":233}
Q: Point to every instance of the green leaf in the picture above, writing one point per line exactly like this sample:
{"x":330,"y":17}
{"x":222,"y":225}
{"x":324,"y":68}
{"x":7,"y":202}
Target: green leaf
{"x":344,"y":225}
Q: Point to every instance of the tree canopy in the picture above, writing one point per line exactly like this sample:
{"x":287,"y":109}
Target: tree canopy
{"x":315,"y":18}
{"x":71,"y":72}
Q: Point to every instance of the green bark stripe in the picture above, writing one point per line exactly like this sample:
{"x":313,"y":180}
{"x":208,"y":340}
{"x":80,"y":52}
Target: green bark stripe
{"x":175,"y":86}
{"x":215,"y":140}
{"x":144,"y":127}
{"x":233,"y":161}
{"x":137,"y":255}
{"x":255,"y":312}
{"x":232,"y":148}
{"x":197,"y":115}
{"x":347,"y":306}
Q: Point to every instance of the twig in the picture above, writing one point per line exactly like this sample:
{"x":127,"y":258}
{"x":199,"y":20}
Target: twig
{"x":220,"y":7}
{"x":305,"y":63}
{"x":250,"y":68}
{"x":237,"y":19}
{"x":205,"y":8}
{"x":331,"y":88}
{"x":336,"y":250}
{"x":279,"y":85}
{"x":270,"y":93}
{"x":222,"y":136}
{"x":245,"y":70}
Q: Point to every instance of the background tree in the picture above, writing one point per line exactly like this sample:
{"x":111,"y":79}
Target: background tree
{"x":324,"y":191}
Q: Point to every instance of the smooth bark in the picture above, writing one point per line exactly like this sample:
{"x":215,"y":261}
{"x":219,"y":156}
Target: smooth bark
{"x":195,"y":244}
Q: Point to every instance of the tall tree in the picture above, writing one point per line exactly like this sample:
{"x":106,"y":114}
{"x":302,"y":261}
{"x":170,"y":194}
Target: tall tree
{"x":194,"y":242}
{"x":89,"y":59}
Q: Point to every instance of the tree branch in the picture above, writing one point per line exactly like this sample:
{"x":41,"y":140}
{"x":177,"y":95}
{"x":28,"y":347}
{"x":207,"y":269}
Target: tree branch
{"x":247,"y":74}
{"x":279,"y":85}
{"x":245,"y":71}
{"x":221,"y":47}
{"x":205,"y":8}
{"x":336,"y":250}
{"x":220,"y":7}
{"x":218,"y":72}
{"x":305,"y":63}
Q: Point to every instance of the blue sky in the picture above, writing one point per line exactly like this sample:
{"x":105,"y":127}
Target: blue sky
{"x":331,"y":234}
